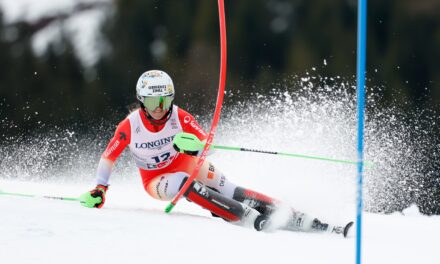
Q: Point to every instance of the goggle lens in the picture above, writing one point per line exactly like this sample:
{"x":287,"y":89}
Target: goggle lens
{"x":153,"y":102}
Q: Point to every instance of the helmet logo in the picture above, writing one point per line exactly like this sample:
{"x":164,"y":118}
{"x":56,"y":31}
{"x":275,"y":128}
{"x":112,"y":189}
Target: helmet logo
{"x":157,"y":88}
{"x":170,"y":88}
{"x":154,"y":74}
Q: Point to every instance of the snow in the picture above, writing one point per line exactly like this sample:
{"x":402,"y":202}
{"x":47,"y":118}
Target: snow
{"x":30,"y":10}
{"x":134,"y":228}
{"x":82,"y":28}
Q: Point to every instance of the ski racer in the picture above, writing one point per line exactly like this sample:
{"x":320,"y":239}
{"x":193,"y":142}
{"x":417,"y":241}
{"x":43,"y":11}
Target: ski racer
{"x":164,"y":167}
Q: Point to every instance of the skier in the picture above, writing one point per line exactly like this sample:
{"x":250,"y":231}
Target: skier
{"x":164,"y":167}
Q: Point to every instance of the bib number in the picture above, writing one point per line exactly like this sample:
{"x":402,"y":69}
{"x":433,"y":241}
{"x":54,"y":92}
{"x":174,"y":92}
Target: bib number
{"x":161,"y":158}
{"x":160,"y":161}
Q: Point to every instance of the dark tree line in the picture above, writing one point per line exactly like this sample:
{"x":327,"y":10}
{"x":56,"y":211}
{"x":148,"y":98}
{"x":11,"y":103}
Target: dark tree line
{"x":266,"y":41}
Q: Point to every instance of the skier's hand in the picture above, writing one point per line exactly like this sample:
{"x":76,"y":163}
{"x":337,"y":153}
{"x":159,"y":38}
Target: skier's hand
{"x":95,"y":197}
{"x":187,"y":143}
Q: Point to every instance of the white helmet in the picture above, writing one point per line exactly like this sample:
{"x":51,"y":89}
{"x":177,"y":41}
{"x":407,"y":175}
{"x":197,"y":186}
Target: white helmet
{"x":155,"y":89}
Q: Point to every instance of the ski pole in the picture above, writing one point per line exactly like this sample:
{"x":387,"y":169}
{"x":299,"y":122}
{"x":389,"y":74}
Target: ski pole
{"x":192,"y":143}
{"x":40,"y":196}
{"x":289,"y":155}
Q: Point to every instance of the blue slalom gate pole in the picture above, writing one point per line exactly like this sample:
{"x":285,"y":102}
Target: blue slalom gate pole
{"x":361,"y":59}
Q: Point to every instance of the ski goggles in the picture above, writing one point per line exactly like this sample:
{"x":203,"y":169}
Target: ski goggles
{"x":153,"y":102}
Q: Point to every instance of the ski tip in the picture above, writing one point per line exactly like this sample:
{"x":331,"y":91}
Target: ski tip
{"x":347,"y":229}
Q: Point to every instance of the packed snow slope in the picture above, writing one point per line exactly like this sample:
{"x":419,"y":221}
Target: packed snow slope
{"x":132,"y":228}
{"x":318,"y":117}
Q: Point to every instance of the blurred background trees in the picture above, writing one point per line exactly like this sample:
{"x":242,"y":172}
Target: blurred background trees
{"x":267,"y":40}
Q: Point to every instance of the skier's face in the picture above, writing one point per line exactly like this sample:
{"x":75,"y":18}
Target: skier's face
{"x":158,"y":113}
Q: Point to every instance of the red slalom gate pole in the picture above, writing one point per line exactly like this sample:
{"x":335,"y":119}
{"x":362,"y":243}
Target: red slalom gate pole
{"x":218,"y":107}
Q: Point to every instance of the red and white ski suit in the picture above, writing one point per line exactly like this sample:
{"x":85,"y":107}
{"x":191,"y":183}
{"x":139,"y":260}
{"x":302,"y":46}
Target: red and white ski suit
{"x":161,"y":167}
{"x":163,"y":171}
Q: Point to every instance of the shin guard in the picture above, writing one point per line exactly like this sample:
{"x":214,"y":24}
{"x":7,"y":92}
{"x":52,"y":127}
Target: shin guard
{"x":260,"y":202}
{"x":226,"y":208}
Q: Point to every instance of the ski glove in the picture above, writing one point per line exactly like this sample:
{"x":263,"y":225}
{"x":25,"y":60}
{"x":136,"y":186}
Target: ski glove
{"x":95,"y":197}
{"x":188,"y":143}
